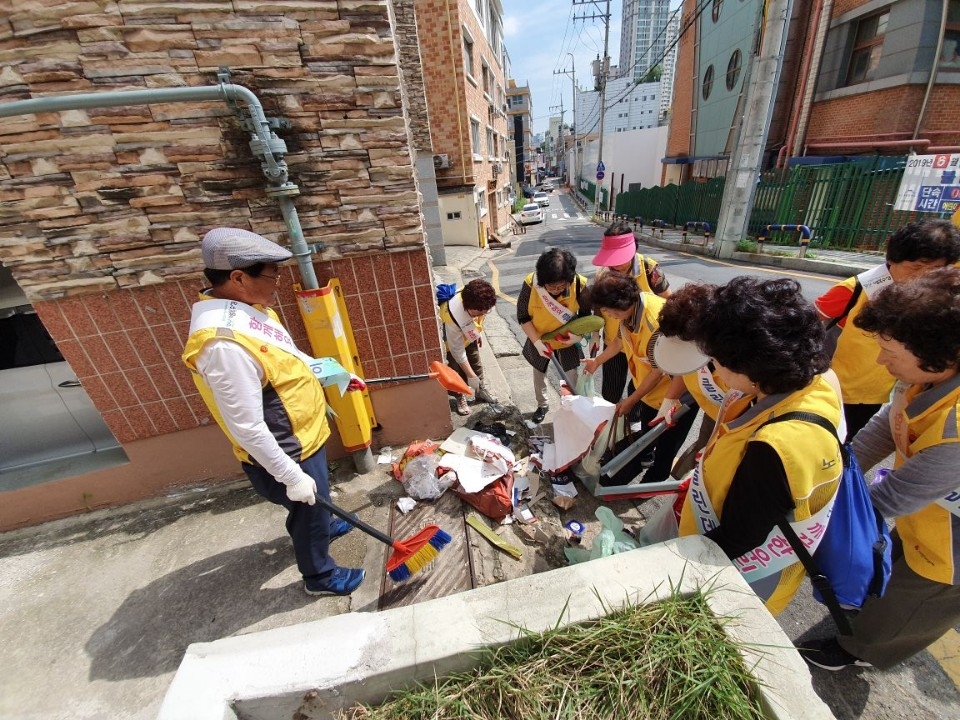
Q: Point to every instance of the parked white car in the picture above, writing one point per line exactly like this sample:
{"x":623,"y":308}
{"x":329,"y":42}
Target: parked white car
{"x":541,"y":198}
{"x":531,"y":213}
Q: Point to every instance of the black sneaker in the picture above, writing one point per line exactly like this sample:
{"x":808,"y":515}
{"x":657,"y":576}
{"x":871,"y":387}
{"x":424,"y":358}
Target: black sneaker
{"x":538,"y":415}
{"x":828,"y":654}
{"x":342,"y":581}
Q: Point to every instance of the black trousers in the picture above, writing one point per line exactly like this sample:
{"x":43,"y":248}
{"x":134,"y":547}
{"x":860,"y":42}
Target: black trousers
{"x":668,"y":444}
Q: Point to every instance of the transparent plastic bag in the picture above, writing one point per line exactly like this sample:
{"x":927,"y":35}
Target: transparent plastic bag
{"x":609,"y":541}
{"x":420,"y":478}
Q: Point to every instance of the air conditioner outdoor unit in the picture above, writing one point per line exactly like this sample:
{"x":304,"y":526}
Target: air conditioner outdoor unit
{"x":497,"y":168}
{"x":441,"y":161}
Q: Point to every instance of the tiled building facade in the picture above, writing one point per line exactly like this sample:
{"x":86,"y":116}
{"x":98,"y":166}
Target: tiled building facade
{"x":463,"y":57}
{"x":103,"y":209}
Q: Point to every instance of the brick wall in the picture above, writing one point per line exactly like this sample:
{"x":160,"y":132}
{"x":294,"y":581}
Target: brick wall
{"x":102,"y":209}
{"x":681,"y":112}
{"x":893,"y":110}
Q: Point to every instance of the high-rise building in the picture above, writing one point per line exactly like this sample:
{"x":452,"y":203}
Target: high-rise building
{"x":668,"y":66}
{"x":643,"y":36}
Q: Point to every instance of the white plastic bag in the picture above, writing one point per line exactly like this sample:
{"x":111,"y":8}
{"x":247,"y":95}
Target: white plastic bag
{"x":662,"y":526}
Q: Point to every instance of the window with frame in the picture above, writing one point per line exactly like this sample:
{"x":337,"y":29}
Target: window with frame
{"x":867,"y":47}
{"x":468,"y":55}
{"x":950,"y":52}
{"x":475,"y":136}
{"x":491,"y":150}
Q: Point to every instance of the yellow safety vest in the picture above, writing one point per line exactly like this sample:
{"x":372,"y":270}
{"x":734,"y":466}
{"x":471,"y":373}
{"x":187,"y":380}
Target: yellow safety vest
{"x":862,"y":379}
{"x":611,"y":327}
{"x":636,"y":344}
{"x":294,"y":407}
{"x":447,"y":317}
{"x":931,"y":418}
{"x":543,"y":319}
{"x":811,"y":460}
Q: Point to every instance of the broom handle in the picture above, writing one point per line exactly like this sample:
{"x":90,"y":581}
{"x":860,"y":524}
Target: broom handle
{"x":398,"y":378}
{"x":356,"y":522}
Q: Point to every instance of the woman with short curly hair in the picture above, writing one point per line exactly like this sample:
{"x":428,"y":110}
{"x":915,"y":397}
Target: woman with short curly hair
{"x":917,"y":326}
{"x":462,"y":317}
{"x":766,"y":343}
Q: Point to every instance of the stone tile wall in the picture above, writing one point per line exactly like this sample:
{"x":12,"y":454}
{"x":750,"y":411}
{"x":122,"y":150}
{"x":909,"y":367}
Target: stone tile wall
{"x":101,"y":210}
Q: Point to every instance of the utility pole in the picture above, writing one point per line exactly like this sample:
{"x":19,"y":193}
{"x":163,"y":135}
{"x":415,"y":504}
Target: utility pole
{"x":740,"y":188}
{"x":559,"y":148}
{"x":575,"y":180}
{"x":602,"y":81}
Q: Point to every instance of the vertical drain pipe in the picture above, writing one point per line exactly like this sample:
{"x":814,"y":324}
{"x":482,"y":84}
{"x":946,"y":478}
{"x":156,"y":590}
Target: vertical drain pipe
{"x":265,"y":144}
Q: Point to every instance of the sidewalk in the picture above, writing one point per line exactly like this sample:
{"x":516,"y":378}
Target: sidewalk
{"x":99,"y":609}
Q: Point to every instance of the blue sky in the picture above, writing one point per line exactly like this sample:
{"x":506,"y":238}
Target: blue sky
{"x":540,"y":33}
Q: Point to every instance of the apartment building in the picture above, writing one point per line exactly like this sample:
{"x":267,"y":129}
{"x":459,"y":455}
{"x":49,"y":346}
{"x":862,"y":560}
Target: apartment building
{"x":520,"y":119}
{"x":464,"y":68}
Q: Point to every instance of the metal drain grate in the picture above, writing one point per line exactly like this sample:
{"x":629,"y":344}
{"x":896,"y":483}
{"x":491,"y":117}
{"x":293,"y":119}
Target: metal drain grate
{"x":450,"y":573}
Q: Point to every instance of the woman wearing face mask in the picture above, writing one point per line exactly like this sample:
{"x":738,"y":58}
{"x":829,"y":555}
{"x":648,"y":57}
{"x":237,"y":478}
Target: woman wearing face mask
{"x":550,"y":298}
{"x":917,"y":326}
{"x":766,"y":343}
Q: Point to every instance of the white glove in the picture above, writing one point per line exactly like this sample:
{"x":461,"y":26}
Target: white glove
{"x":304,"y":490}
{"x":544,"y":350}
{"x":569,"y":337}
{"x":666,"y":412}
{"x":474,"y":383}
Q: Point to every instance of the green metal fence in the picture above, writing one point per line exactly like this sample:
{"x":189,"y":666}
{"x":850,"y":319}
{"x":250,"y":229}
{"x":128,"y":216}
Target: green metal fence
{"x":846,"y":205}
{"x":590,"y":190}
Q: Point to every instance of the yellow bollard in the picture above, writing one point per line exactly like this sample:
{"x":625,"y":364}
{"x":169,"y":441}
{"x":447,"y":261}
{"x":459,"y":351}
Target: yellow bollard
{"x":330,"y":334}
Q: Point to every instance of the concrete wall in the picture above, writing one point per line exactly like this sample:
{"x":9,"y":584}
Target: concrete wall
{"x":103,"y":209}
{"x":459,"y":219}
{"x":629,"y":157}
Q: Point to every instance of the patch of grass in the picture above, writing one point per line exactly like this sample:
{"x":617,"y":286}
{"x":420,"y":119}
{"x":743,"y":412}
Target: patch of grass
{"x":747,"y":246}
{"x":662,"y":660}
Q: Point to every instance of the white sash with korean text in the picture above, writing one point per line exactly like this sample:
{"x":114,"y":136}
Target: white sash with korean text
{"x":874,"y":280}
{"x":471,"y":333}
{"x":242,"y":318}
{"x":901,"y":437}
{"x":708,"y":386}
{"x":774,"y":553}
{"x":561,"y":313}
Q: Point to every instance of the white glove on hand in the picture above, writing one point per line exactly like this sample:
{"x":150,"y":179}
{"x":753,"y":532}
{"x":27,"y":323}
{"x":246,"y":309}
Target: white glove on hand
{"x":474,"y":383}
{"x":666,"y":412}
{"x":544,"y":350}
{"x":304,"y":490}
{"x":569,"y":337}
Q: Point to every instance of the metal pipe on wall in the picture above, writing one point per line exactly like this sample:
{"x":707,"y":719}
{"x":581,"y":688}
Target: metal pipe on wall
{"x":265,"y":143}
{"x":931,"y":81}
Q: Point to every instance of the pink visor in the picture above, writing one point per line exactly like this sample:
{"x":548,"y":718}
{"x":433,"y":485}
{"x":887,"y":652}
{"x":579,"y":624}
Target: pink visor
{"x":616,"y":250}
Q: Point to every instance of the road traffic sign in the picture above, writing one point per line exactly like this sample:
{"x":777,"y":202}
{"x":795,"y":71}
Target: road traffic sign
{"x":600,"y":167}
{"x":599,"y":174}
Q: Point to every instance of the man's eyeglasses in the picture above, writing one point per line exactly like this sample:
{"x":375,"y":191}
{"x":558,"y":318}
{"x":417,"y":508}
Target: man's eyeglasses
{"x":275,"y":278}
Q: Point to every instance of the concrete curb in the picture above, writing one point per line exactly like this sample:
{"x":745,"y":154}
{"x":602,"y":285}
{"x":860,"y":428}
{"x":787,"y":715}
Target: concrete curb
{"x":315,"y":669}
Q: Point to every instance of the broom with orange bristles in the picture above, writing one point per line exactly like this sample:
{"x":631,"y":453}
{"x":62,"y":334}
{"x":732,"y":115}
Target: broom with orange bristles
{"x":409,"y":556}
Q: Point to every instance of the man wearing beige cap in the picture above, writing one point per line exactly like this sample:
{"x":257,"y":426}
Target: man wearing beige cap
{"x":265,"y":398}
